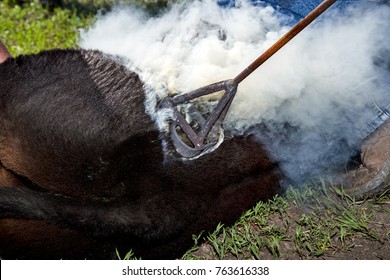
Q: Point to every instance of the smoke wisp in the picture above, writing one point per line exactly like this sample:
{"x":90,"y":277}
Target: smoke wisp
{"x":312,"y":103}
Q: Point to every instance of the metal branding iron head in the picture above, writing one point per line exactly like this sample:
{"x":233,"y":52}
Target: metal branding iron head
{"x":195,"y":135}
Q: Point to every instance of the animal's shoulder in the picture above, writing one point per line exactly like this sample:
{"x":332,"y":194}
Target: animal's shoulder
{"x":72,"y":95}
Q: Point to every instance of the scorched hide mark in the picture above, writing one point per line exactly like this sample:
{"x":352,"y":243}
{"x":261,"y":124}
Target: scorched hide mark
{"x":83,"y":172}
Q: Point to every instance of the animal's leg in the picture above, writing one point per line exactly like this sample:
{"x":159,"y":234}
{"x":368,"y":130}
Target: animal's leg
{"x":151,"y":219}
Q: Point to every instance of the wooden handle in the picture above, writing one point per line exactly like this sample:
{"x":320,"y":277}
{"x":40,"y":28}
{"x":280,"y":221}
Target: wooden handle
{"x":284,"y":40}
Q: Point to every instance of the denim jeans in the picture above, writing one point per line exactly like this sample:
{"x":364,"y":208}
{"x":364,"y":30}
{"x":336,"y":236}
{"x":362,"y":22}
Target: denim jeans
{"x":297,"y":8}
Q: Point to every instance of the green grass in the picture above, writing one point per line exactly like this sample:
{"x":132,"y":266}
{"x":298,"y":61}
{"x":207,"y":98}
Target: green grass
{"x":31,"y":28}
{"x":309,"y":222}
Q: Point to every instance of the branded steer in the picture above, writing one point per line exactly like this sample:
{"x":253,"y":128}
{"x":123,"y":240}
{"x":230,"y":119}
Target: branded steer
{"x":83,"y":171}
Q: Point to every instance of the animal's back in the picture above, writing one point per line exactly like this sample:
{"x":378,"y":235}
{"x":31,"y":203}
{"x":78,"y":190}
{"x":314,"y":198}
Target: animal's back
{"x":83,"y":162}
{"x":66,"y":117}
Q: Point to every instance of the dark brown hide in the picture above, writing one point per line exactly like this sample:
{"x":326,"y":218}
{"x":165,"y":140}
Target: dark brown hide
{"x":83,"y":170}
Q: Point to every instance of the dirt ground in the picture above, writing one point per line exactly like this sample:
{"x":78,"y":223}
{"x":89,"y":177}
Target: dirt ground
{"x":373,"y":244}
{"x":360,"y":247}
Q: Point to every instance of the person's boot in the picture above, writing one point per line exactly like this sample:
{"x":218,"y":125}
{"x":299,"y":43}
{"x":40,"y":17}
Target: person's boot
{"x":372,"y":177}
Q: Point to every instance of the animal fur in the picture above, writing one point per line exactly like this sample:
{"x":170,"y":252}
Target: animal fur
{"x":83,"y":172}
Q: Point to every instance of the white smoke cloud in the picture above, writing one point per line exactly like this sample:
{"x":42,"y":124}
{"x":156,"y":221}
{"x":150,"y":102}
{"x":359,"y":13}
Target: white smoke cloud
{"x":315,"y":97}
